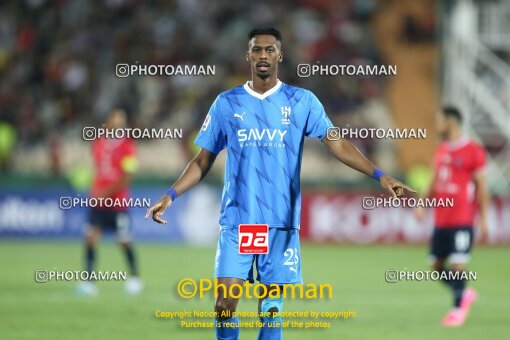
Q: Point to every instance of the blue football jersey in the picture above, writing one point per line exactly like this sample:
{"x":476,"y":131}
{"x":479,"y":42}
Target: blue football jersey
{"x":264,"y":135}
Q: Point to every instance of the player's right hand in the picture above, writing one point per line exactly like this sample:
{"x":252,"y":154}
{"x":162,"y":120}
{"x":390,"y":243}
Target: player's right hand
{"x":158,"y":209}
{"x":484,"y":229}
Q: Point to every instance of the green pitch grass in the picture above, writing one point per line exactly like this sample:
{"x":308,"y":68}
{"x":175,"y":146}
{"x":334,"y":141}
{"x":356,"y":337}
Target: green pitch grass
{"x":404,"y":310}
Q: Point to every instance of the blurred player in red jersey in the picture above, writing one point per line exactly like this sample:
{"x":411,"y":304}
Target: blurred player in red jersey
{"x":459,"y":174}
{"x":115,"y":161}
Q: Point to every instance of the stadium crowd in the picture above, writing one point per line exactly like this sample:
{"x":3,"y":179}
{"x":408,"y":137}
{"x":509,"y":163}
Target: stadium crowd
{"x":57,"y":62}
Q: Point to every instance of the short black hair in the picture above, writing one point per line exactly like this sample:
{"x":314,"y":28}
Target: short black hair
{"x":452,"y":112}
{"x":265,"y":31}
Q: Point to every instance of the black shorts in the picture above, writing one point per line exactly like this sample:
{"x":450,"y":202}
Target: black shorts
{"x":453,"y":244}
{"x":106,"y":220}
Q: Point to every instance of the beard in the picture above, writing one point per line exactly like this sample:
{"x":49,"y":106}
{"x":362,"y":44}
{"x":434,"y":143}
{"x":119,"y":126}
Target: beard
{"x":263,"y":75}
{"x":266,"y":73}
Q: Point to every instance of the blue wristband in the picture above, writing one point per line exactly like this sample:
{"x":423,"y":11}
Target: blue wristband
{"x":172,"y":193}
{"x":377,"y":174}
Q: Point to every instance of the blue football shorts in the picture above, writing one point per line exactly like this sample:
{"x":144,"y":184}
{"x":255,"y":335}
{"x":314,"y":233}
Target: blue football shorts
{"x":281,"y":265}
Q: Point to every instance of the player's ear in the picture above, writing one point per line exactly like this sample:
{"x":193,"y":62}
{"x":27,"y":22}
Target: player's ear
{"x":247,"y":55}
{"x":281,"y":57}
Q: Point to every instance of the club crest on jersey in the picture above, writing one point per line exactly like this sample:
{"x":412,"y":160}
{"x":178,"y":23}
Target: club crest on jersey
{"x":286,"y":114}
{"x":206,"y":123}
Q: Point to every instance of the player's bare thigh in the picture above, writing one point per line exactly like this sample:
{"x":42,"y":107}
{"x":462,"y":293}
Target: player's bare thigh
{"x":458,"y":267}
{"x":92,"y":236}
{"x":224,"y":302}
{"x":439,"y":265}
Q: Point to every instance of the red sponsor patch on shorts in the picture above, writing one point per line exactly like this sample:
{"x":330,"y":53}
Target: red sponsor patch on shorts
{"x":253,"y":239}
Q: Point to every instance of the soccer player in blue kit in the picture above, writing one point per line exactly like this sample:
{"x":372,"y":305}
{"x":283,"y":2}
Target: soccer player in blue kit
{"x":262,"y":124}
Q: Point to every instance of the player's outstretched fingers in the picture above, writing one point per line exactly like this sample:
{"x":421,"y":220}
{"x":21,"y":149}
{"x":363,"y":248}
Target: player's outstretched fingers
{"x":408,"y":188}
{"x":390,"y":189}
{"x":150,"y":209}
{"x":156,"y":216}
{"x":399,"y":191}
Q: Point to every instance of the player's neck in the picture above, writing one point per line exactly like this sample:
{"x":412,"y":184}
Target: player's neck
{"x":454,"y":136}
{"x":261,"y":86}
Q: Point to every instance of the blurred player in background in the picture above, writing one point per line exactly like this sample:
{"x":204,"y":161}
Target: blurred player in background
{"x":459,"y":174}
{"x":115,"y":162}
{"x":262,"y":124}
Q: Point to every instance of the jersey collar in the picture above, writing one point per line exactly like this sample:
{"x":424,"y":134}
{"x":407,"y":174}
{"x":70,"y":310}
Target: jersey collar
{"x":264,"y":95}
{"x":459,"y":143}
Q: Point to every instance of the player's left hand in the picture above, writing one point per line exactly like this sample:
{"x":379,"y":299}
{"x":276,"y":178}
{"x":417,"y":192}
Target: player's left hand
{"x":158,"y":209}
{"x":394,"y":187}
